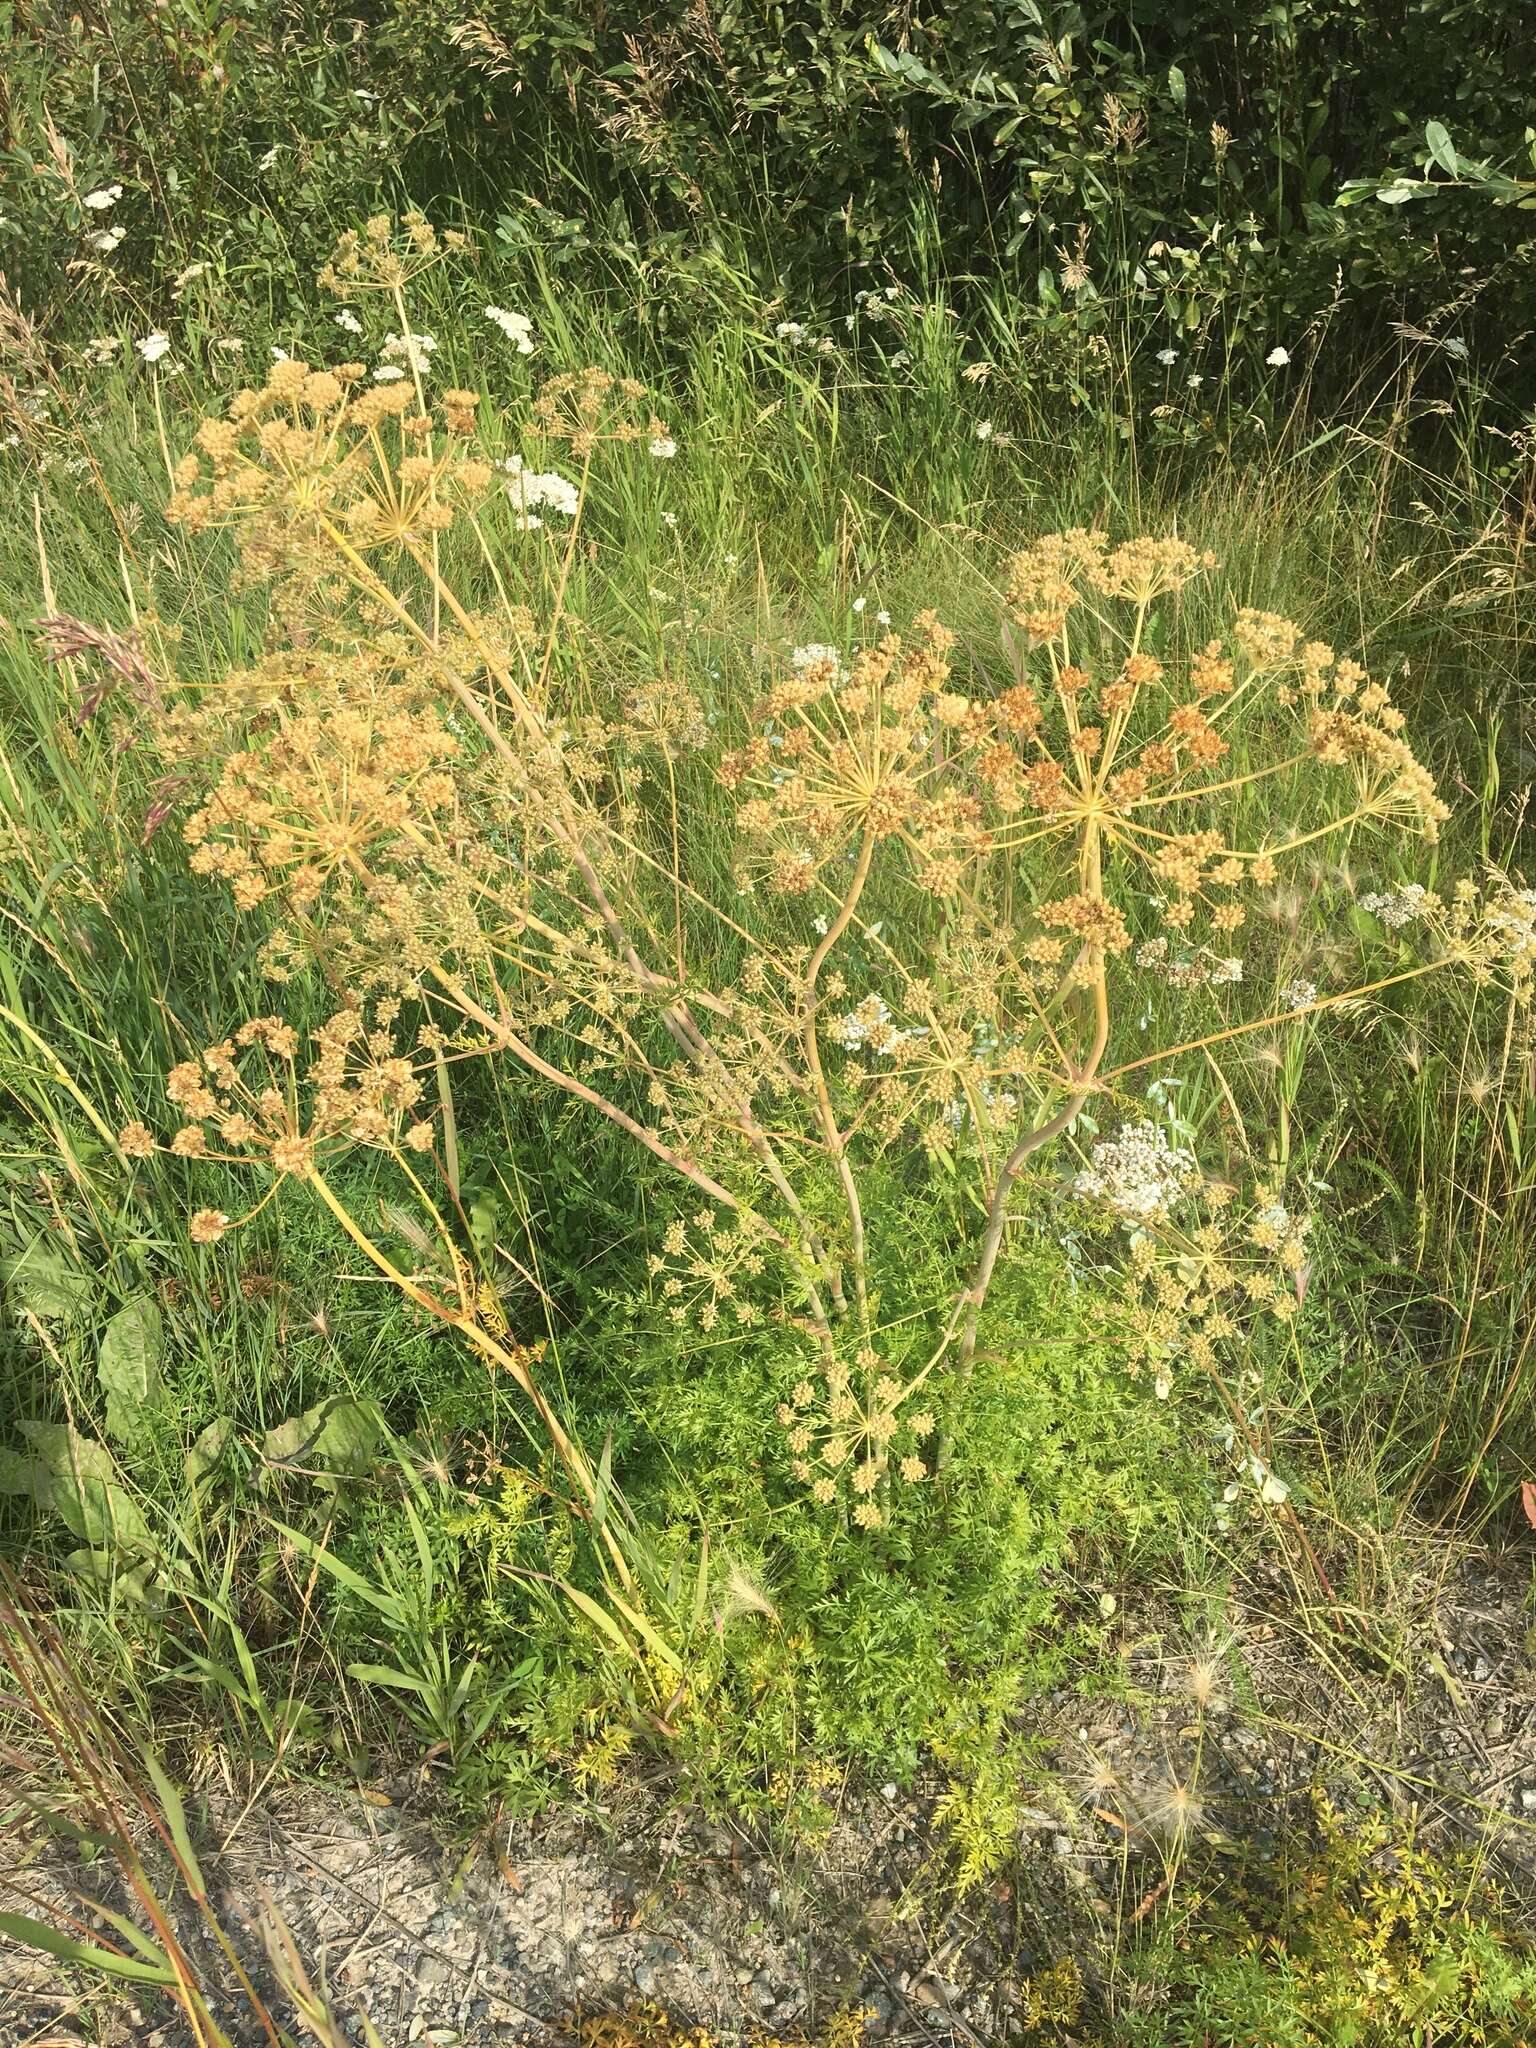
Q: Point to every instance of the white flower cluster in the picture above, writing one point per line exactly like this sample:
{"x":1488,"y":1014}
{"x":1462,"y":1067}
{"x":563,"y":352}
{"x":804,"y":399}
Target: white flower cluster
{"x":1204,"y":969}
{"x":106,"y":196}
{"x":802,"y":657}
{"x":869,"y":1025}
{"x":1137,"y":1173}
{"x":105,"y":240}
{"x":517,"y":327}
{"x":531,"y":490}
{"x":1397,"y":907}
{"x":798,"y":336}
{"x":414,"y":350}
{"x":1512,"y":920}
{"x":1298,"y":994}
{"x":876,"y":304}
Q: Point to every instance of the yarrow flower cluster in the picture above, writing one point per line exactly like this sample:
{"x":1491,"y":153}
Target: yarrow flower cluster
{"x":816,"y":654}
{"x":415,"y":351}
{"x":1184,"y":969}
{"x":1138,"y":1174}
{"x":1511,"y":920}
{"x":532,"y":492}
{"x":869,"y":1027}
{"x":1399,"y":907}
{"x":517,"y":327}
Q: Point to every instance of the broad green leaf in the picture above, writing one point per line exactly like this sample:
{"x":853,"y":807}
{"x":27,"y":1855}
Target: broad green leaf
{"x":128,"y":1367}
{"x":204,"y":1456}
{"x":18,"y":1473}
{"x":41,"y":1279}
{"x":76,"y":1479}
{"x":1438,"y":142}
{"x":336,"y":1438}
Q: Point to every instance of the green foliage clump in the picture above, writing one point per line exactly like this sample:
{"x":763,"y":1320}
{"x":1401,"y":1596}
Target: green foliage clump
{"x":1367,"y":1942}
{"x":1139,"y":177}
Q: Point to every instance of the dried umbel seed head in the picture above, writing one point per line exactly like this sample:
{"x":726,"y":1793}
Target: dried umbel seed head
{"x":1204,"y":1259}
{"x":385,"y":254}
{"x":591,"y":406}
{"x":254,"y":1100}
{"x":952,"y":886}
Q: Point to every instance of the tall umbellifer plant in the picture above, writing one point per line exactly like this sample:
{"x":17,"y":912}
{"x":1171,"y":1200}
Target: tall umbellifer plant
{"x":950,"y":891}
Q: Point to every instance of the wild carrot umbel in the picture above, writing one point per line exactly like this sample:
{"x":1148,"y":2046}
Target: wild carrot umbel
{"x":954,"y":880}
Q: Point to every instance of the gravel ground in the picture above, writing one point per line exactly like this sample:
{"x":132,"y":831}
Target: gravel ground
{"x":1435,"y":1714}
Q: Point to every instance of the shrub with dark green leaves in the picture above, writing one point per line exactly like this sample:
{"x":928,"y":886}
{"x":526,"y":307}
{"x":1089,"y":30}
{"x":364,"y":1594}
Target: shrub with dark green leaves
{"x":1155,"y":175}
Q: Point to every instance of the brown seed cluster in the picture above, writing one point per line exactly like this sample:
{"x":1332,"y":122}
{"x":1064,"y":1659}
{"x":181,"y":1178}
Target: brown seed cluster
{"x":251,"y":1099}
